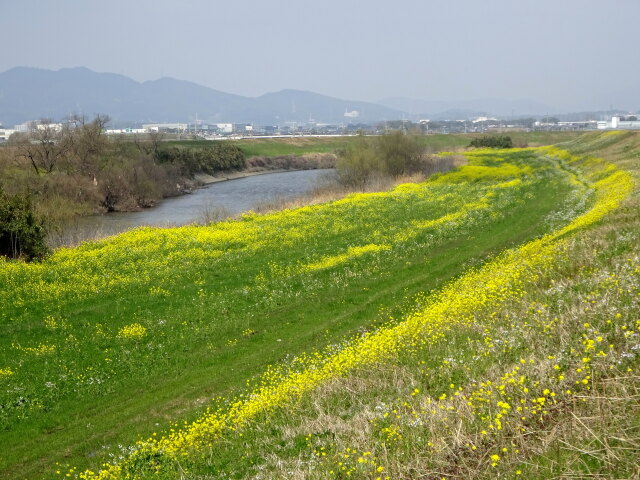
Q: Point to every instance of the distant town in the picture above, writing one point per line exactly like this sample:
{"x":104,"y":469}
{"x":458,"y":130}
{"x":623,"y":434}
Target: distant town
{"x":221,"y":131}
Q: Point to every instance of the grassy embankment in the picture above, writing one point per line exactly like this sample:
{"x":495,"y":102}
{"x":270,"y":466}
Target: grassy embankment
{"x":166,"y":319}
{"x":524,"y":367}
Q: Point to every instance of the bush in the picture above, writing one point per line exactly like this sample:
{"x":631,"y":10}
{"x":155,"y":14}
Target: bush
{"x":391,"y":155}
{"x":497,"y":141}
{"x":132,"y":183}
{"x":219,"y":156}
{"x":357,"y":163}
{"x":400,"y":153}
{"x":22,"y":231}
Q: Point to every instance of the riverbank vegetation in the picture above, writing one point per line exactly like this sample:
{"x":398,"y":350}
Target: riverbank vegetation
{"x":74,"y":169}
{"x":372,"y":159}
{"x":61,"y":171}
{"x":22,"y":233}
{"x":474,"y":325}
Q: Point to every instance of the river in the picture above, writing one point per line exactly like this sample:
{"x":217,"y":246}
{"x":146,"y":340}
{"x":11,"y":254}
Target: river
{"x":222,"y":198}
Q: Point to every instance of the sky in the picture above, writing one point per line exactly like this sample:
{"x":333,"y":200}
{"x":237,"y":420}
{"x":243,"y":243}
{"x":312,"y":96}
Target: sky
{"x":572,"y":54}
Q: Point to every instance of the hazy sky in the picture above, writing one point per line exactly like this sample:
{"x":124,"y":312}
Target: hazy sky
{"x":573,"y":54}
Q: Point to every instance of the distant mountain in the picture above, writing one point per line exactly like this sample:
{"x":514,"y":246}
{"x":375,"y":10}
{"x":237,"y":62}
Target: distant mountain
{"x":488,"y":106}
{"x":302,"y":106}
{"x":32,"y":93}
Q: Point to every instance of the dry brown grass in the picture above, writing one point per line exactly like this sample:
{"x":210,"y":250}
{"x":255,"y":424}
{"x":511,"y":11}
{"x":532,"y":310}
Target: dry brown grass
{"x":307,"y":161}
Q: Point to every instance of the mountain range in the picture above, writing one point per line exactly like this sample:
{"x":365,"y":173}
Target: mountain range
{"x":31,"y":93}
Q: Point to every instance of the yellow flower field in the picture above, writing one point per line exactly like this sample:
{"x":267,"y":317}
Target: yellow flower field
{"x":506,"y":401}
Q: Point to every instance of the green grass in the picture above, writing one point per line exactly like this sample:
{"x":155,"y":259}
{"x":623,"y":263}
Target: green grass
{"x":271,"y":147}
{"x":108,"y":391}
{"x":591,"y":292}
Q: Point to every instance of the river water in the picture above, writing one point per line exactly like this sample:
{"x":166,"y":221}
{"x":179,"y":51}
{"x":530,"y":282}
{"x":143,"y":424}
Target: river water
{"x":228,"y":197}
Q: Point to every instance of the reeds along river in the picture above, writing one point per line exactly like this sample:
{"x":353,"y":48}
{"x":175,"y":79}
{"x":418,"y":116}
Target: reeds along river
{"x":215,"y":200}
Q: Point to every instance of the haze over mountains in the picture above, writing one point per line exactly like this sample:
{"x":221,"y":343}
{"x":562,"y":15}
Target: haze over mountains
{"x":439,"y":109}
{"x":30,"y":93}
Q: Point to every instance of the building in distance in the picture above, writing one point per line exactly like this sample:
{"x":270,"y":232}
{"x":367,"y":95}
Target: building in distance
{"x":629,"y":122}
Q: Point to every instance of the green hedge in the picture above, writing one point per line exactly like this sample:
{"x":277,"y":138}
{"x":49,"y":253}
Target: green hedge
{"x":211,"y":159}
{"x":498,"y":141}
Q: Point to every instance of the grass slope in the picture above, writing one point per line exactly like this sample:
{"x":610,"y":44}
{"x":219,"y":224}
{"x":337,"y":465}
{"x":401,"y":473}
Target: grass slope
{"x":115,"y":339}
{"x":541,"y":384}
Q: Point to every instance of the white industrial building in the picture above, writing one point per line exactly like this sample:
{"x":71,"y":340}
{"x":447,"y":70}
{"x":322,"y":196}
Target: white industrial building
{"x":165,"y":127}
{"x":119,"y":131}
{"x":5,"y":133}
{"x":35,"y":124}
{"x":630,"y":122}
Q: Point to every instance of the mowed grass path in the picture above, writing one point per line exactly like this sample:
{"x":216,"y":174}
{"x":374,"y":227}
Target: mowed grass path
{"x":115,"y":339}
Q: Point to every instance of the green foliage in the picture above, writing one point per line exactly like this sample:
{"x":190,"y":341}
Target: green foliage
{"x":220,"y":304}
{"x":489,"y":141}
{"x":213,"y":158}
{"x":22,"y":231}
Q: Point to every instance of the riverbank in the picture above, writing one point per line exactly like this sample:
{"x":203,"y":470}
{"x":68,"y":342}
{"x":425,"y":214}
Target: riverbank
{"x":262,"y":190}
{"x":218,"y":199}
{"x":142,"y":174}
{"x":214,"y":201}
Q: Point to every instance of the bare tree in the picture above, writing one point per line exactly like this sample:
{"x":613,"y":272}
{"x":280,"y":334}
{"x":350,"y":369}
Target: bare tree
{"x":88,"y":143}
{"x":75,"y":145}
{"x":45,"y":145}
{"x":150,"y":143}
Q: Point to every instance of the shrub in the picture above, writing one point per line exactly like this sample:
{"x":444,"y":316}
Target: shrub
{"x":219,"y":156}
{"x":357,"y":163}
{"x":390,"y":155}
{"x":400,"y":153}
{"x":22,"y":231}
{"x":496,"y":141}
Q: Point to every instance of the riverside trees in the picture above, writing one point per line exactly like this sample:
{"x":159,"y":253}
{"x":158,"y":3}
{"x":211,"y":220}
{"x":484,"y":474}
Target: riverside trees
{"x":74,"y":168}
{"x":74,"y":146}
